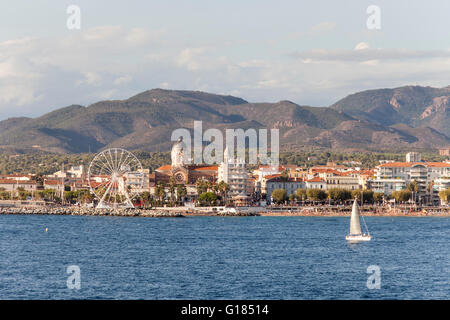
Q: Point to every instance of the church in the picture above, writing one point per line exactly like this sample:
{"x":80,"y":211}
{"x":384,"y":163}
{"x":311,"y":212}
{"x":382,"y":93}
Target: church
{"x":184,"y":173}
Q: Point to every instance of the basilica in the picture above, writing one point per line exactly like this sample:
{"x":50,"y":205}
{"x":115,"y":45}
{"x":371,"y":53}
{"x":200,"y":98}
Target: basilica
{"x":184,"y":173}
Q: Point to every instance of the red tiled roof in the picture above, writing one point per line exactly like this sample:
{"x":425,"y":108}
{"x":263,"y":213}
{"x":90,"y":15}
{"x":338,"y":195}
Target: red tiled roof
{"x":315,"y":179}
{"x":52,"y":182}
{"x":411,"y":164}
{"x":271,"y":176}
{"x":207,"y":168}
{"x":165,"y":168}
{"x":13,"y":181}
{"x":280,"y":168}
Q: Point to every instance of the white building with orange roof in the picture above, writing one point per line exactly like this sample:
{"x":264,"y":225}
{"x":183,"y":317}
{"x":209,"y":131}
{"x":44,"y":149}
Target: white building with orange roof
{"x":395,"y":176}
{"x":289,"y":184}
{"x":265,"y":172}
{"x":316,"y":183}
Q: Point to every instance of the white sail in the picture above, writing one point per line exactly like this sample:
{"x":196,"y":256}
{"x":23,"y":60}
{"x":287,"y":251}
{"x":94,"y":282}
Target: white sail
{"x":355,"y":224}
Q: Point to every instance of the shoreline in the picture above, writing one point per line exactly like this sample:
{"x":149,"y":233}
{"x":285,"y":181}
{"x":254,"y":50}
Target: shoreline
{"x":172,"y":212}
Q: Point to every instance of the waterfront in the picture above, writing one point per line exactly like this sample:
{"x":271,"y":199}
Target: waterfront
{"x":221,"y":258}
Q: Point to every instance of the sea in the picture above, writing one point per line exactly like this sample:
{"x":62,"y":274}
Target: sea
{"x":288,"y":258}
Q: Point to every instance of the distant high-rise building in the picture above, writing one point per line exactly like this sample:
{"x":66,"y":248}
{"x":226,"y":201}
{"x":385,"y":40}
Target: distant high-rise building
{"x":234,"y":173}
{"x":413,"y":157}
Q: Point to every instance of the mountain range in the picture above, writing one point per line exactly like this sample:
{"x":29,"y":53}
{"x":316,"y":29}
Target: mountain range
{"x":405,"y":118}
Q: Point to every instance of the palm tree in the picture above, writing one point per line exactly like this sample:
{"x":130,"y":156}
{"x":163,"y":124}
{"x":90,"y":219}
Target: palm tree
{"x":223,"y":189}
{"x":201,"y":186}
{"x":160,"y":191}
{"x":413,"y":187}
{"x":172,"y":185}
{"x":146,"y":197}
{"x":181,"y":192}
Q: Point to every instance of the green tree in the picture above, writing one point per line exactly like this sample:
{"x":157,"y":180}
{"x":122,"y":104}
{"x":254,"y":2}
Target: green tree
{"x":172,"y":186}
{"x":378,"y":196}
{"x":207,"y":198}
{"x":316,"y":194}
{"x":223,"y":190}
{"x":401,"y":196}
{"x":301,"y":194}
{"x":181,"y":193}
{"x":445,"y":195}
{"x":413,"y":186}
{"x":338,"y":194}
{"x":365,"y":195}
{"x":202,"y":186}
{"x":279,"y":195}
{"x":146,"y":198}
{"x":160,"y":192}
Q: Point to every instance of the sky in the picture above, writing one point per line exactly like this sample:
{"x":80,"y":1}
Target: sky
{"x":309,"y":52}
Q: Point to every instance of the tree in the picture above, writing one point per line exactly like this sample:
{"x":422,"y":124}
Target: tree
{"x":223,"y":190}
{"x":291,"y":198}
{"x":413,"y":186}
{"x":378,"y":196}
{"x":364,"y":195}
{"x":146,"y":197}
{"x":160,"y":191}
{"x":202,"y":186}
{"x":301,"y":194}
{"x":279,"y":195}
{"x":445,"y":195}
{"x":207,"y":198}
{"x":339,"y":194}
{"x":181,"y":193}
{"x":172,"y":186}
{"x":316,"y":194}
{"x":401,"y":196}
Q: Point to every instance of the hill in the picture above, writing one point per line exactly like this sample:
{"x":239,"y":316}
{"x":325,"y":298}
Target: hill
{"x":363,"y":121}
{"x":411,"y":105}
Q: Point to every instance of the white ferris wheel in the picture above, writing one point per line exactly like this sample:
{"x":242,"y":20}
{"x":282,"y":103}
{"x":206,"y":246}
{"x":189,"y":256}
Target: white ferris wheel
{"x":115,"y":177}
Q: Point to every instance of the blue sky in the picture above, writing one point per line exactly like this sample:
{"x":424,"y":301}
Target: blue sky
{"x":309,"y":52}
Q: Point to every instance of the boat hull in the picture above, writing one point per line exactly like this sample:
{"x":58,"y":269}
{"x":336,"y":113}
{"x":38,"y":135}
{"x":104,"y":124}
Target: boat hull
{"x":358,"y":237}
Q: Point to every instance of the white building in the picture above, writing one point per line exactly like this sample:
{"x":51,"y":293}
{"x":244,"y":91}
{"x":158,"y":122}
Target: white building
{"x":395,"y":176}
{"x":289,"y":184}
{"x":234,"y":173}
{"x":413,"y":157}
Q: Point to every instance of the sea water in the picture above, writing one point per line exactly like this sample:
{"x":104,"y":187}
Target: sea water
{"x":222,"y":258}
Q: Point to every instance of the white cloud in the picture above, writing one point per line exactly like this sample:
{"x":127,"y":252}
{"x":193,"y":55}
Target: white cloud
{"x":113,"y":62}
{"x":90,"y":78}
{"x":103,"y":33}
{"x":18,"y":95}
{"x":123,"y":80}
{"x":362,"y":46}
{"x":323,"y":27}
{"x":164,"y":85}
{"x":362,"y":52}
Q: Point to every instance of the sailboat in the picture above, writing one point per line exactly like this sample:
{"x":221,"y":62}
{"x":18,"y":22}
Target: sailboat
{"x":355,"y":226}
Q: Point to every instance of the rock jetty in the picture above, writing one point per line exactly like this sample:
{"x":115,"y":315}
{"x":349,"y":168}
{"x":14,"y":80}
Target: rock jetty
{"x":79,"y":211}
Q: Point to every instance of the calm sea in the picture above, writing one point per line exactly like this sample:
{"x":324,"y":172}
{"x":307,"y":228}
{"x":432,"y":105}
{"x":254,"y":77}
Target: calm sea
{"x":222,"y":258}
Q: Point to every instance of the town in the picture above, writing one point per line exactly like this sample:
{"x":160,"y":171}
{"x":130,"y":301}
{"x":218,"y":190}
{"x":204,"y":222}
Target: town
{"x":231,"y":183}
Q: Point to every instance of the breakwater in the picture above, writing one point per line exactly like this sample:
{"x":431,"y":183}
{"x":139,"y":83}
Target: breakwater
{"x":79,"y":211}
{"x":119,"y":212}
